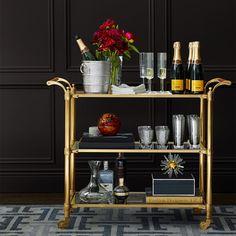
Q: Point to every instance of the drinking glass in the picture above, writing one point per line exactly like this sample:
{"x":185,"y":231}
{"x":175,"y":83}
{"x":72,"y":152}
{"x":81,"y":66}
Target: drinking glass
{"x":145,"y":136}
{"x":147,"y":68}
{"x":188,"y":125}
{"x":161,"y":69}
{"x":162,"y":136}
{"x":141,"y":66}
{"x":178,"y":122}
{"x":194,"y":131}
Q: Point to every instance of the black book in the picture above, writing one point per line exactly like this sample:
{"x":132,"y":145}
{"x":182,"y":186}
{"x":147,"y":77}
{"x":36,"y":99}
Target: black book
{"x":119,"y":141}
{"x":118,"y":138}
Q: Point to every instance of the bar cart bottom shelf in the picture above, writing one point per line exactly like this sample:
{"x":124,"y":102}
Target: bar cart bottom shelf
{"x":138,"y":200}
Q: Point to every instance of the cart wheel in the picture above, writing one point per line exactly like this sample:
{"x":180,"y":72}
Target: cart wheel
{"x":62,"y":224}
{"x":197,"y":210}
{"x":205,"y":224}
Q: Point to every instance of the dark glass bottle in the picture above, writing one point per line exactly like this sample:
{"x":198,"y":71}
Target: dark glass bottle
{"x":120,"y":167}
{"x":189,"y":68}
{"x":85,"y":52}
{"x":197,"y":80}
{"x":177,"y":71}
{"x":121,"y":192}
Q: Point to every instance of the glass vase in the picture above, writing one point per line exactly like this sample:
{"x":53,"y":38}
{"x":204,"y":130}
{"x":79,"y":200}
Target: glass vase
{"x":94,"y":192}
{"x":116,"y":69}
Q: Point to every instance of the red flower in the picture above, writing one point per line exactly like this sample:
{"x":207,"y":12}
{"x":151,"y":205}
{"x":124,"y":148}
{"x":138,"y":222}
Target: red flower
{"x":107,"y":24}
{"x":113,"y":41}
{"x":129,"y":36}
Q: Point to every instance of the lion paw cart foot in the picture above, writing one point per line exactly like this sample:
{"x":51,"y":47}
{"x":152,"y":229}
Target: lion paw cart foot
{"x":205,"y":224}
{"x":62,"y":224}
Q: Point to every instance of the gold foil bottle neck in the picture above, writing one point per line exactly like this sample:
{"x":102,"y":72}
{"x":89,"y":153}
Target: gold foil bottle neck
{"x":83,"y":48}
{"x":196,"y":52}
{"x":176,"y":44}
{"x":177,"y":54}
{"x":190,"y":55}
{"x":196,"y":44}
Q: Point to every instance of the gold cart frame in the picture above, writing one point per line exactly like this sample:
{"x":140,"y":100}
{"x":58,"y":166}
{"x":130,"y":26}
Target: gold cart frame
{"x":205,"y":151}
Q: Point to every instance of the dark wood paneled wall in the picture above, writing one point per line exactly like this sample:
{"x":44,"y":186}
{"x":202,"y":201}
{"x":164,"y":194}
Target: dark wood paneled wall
{"x":37,"y":43}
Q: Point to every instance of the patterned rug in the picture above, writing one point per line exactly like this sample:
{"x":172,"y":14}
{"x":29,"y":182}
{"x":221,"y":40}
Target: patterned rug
{"x":40,"y":220}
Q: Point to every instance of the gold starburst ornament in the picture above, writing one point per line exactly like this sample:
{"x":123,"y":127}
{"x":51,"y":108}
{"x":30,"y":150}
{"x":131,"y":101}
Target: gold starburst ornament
{"x":172,"y":164}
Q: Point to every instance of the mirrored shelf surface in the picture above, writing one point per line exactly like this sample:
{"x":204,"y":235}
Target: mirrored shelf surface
{"x":81,"y":94}
{"x":76,"y":149}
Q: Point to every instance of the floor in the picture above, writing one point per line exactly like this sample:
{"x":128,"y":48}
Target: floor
{"x":37,"y":220}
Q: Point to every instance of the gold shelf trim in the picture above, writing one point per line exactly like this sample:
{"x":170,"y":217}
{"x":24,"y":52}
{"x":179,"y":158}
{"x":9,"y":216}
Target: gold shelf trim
{"x":81,"y":94}
{"x":76,"y":149}
{"x":138,"y":205}
{"x":170,"y":204}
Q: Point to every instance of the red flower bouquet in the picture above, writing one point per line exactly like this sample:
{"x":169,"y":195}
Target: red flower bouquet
{"x":112,"y":43}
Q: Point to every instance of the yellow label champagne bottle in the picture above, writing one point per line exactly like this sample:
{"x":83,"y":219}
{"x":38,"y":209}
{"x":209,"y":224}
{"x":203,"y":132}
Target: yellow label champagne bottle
{"x":189,"y":68}
{"x":177,"y":71}
{"x":85,"y":52}
{"x":197,"y":81}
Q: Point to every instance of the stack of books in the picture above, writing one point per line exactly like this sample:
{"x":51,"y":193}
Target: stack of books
{"x":118,"y":141}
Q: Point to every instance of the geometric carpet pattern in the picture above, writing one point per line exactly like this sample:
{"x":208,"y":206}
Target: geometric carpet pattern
{"x":41,"y":220}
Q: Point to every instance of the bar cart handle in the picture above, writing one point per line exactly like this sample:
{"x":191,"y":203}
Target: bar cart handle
{"x":57,"y":80}
{"x":218,"y":81}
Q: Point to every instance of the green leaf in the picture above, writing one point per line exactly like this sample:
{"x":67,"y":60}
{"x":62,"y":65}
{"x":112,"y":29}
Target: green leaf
{"x":134,"y":48}
{"x":98,"y":55}
{"x":127,"y":54}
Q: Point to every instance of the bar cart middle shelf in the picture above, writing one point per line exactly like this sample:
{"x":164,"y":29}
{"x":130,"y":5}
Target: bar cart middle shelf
{"x":203,"y":198}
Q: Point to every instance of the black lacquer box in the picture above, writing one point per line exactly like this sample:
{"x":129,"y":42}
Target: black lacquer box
{"x":183,"y":185}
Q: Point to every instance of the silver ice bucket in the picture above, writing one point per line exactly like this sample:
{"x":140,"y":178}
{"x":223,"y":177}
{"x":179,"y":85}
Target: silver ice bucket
{"x":96,"y":76}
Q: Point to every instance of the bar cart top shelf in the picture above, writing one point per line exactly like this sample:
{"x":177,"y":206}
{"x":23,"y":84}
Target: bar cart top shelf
{"x":81,"y":94}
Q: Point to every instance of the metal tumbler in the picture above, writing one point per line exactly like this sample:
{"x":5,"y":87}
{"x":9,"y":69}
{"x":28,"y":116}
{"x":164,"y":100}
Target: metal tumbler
{"x":194,"y":130}
{"x":178,"y":122}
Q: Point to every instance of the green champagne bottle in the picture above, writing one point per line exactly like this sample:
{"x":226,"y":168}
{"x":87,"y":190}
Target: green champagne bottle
{"x":197,"y":80}
{"x":85,"y":52}
{"x":177,"y":71}
{"x":189,"y":68}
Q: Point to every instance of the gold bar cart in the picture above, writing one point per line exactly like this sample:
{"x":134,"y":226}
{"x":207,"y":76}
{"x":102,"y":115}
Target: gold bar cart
{"x":203,"y":200}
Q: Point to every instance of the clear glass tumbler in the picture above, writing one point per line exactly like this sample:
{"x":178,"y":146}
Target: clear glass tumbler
{"x":162,"y":136}
{"x":145,"y":136}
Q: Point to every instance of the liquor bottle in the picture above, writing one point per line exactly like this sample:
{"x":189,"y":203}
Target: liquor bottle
{"x":121,"y":192}
{"x":85,"y":52}
{"x":177,"y":71}
{"x":106,"y":177}
{"x":120,"y":167}
{"x":189,"y":68}
{"x":197,"y":81}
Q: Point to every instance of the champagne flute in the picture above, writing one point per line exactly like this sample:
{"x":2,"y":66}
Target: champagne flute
{"x":161,"y":69}
{"x":141,"y":66}
{"x":148,"y":68}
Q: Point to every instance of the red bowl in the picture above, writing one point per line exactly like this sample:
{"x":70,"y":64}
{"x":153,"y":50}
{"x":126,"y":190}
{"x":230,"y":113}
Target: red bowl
{"x":109,"y":124}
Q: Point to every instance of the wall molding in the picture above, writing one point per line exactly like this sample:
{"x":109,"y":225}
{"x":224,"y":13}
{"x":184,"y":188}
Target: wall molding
{"x":39,"y":69}
{"x":42,"y":160}
{"x":125,"y":68}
